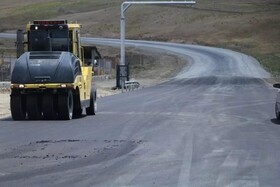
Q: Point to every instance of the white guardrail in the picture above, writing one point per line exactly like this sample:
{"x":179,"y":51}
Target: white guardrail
{"x":131,"y":85}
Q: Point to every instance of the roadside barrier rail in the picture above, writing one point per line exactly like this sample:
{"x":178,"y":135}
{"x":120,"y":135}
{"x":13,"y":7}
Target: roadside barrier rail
{"x":131,"y":85}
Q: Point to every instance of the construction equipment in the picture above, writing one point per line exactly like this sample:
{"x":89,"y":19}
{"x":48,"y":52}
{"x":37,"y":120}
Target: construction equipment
{"x":53,"y":79}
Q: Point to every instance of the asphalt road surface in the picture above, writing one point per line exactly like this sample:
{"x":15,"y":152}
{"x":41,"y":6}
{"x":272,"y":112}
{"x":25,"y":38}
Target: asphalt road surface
{"x":212,"y":125}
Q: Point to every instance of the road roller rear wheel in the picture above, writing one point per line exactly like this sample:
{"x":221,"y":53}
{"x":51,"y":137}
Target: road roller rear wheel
{"x":92,"y":109}
{"x":33,"y":107}
{"x":48,"y":107}
{"x":65,"y":105}
{"x":77,"y":112}
{"x":18,"y":107}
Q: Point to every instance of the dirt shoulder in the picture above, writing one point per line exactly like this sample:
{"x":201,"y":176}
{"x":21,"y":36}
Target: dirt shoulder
{"x":4,"y":104}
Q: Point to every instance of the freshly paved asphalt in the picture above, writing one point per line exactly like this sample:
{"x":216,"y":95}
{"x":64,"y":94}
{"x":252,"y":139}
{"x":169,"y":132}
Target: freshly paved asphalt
{"x":212,"y":125}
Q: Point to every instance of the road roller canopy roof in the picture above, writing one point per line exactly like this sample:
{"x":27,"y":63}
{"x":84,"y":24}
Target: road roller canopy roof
{"x":53,"y":35}
{"x":53,"y":23}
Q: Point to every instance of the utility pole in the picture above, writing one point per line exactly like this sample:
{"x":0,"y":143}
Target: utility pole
{"x":124,"y":7}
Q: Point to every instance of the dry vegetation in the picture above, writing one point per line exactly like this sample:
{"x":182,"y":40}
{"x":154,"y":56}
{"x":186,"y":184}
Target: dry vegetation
{"x":250,"y":26}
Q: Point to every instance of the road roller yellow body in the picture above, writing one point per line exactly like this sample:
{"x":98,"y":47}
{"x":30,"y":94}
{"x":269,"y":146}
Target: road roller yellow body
{"x":51,"y":79}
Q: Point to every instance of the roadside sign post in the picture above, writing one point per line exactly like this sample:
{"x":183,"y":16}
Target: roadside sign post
{"x":122,"y":75}
{"x":124,"y":7}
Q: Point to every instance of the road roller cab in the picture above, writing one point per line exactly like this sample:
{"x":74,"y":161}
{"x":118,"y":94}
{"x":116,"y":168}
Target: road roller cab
{"x":51,"y":79}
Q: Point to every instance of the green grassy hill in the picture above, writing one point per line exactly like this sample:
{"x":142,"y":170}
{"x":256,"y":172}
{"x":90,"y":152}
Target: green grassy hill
{"x":249,"y":26}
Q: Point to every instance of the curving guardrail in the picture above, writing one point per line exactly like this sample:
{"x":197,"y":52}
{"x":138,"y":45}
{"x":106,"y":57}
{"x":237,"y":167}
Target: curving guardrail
{"x":131,"y":85}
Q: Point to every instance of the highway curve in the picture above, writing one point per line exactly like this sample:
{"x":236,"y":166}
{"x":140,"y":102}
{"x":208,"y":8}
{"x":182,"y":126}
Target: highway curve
{"x":212,"y":125}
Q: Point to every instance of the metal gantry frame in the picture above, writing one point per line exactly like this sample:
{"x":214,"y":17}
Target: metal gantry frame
{"x":124,"y":7}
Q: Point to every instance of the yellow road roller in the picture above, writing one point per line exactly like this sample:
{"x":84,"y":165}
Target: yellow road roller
{"x":52,"y":79}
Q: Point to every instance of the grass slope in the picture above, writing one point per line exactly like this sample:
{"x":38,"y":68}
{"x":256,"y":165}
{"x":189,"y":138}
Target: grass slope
{"x":249,"y":26}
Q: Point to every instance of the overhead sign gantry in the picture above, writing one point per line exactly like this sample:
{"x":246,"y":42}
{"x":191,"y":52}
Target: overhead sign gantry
{"x":124,"y":7}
